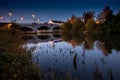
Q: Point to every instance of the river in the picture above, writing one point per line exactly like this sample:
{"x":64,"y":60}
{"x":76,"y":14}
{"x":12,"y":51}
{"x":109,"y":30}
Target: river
{"x":85,"y":57}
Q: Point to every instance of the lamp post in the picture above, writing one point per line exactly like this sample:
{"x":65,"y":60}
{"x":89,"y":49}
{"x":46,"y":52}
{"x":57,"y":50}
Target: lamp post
{"x":1,"y":18}
{"x":22,"y":18}
{"x":33,"y":16}
{"x":10,"y":14}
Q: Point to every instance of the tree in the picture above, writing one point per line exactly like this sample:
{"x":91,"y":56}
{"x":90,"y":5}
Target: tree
{"x":90,"y":25}
{"x":106,"y":15}
{"x":73,"y":19}
{"x":114,"y":24}
{"x":78,"y":26}
{"x":88,"y":15}
{"x":67,"y":27}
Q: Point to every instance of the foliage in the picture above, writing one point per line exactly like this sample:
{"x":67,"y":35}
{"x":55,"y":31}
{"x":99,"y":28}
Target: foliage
{"x":114,"y":24}
{"x":106,"y":22}
{"x":90,"y":25}
{"x":74,"y":25}
{"x":67,"y":27}
{"x":108,"y":41}
{"x":78,"y":26}
{"x":106,"y":15}
{"x":15,"y":62}
{"x":73,"y":19}
{"x":88,"y":15}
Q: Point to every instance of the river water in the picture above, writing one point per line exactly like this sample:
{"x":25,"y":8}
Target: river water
{"x":85,"y":57}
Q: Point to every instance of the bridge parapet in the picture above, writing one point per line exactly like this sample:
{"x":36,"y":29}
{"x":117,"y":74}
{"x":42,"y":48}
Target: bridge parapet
{"x":36,"y":26}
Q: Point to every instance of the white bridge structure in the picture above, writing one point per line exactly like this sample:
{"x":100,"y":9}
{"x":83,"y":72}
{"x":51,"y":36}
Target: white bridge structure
{"x":40,"y":27}
{"x":33,"y":27}
{"x":50,"y":26}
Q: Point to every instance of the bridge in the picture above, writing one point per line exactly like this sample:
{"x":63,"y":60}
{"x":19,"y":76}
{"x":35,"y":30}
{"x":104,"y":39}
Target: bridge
{"x":34,"y":27}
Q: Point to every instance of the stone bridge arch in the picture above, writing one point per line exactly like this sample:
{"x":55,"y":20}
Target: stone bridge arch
{"x":43,"y":29}
{"x":27,"y":29}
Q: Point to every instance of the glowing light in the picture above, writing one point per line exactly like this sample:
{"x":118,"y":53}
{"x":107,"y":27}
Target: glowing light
{"x":1,"y":17}
{"x":33,"y":15}
{"x":50,"y":22}
{"x":9,"y":25}
{"x":104,"y":19}
{"x":38,"y":20}
{"x":10,"y":13}
{"x":22,"y":18}
{"x":97,"y":22}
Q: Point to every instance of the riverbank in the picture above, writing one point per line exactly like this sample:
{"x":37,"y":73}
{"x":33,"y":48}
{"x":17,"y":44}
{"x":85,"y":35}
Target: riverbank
{"x":15,"y":62}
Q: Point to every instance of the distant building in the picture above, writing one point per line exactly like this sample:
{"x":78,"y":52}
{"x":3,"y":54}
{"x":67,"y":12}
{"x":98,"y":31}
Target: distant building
{"x":54,"y":22}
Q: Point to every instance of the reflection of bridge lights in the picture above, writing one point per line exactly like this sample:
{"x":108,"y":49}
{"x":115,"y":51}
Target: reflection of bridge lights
{"x":35,"y":51}
{"x":50,"y":42}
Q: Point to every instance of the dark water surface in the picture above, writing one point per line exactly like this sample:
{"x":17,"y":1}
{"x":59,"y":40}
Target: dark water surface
{"x":85,"y":57}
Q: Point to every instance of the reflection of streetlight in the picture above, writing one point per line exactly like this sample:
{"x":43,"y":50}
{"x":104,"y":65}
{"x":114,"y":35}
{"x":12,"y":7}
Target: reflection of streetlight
{"x":10,"y":14}
{"x":33,"y":16}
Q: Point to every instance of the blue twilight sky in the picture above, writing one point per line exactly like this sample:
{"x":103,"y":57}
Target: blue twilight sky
{"x":56,"y":9}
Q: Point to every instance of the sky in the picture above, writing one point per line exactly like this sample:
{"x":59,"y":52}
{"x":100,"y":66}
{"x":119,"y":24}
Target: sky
{"x":54,"y":9}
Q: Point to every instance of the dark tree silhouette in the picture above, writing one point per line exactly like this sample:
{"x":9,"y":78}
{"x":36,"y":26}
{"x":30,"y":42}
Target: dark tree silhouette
{"x":106,"y":15}
{"x":88,"y":15}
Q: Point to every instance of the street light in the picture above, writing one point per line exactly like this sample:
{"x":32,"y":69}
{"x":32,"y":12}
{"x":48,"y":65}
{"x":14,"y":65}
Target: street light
{"x":10,"y":14}
{"x":1,"y":18}
{"x":22,"y":18}
{"x":33,"y":16}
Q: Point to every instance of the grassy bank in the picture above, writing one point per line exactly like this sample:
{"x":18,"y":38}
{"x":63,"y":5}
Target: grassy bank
{"x":15,"y":62}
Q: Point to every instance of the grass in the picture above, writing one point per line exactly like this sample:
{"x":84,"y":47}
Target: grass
{"x":15,"y":62}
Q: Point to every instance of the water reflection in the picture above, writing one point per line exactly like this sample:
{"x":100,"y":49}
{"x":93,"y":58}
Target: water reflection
{"x":75,"y":62}
{"x":86,"y":57}
{"x":41,"y":37}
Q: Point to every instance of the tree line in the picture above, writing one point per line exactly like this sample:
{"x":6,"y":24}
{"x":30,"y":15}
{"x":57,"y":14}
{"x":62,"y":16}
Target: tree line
{"x":105,"y":21}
